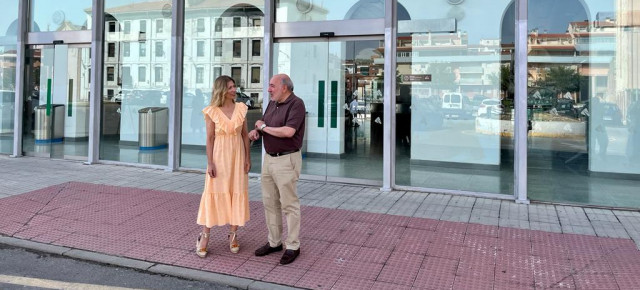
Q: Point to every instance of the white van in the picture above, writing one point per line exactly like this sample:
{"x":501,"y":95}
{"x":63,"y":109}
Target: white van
{"x":453,"y":105}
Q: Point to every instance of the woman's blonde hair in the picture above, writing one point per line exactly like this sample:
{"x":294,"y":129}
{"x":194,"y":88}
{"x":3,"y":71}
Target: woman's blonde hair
{"x":219,"y":90}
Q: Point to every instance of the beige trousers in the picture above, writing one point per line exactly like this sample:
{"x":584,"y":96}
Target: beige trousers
{"x":280,"y":194}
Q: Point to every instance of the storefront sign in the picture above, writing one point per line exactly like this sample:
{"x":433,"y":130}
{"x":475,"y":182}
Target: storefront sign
{"x":416,"y":78}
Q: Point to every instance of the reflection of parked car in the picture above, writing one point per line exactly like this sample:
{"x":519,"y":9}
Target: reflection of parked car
{"x":540,"y":98}
{"x":243,"y":98}
{"x":475,"y":103}
{"x":564,"y":107}
{"x":117,"y":98}
{"x":490,"y":107}
{"x":455,"y":105}
{"x":611,"y":114}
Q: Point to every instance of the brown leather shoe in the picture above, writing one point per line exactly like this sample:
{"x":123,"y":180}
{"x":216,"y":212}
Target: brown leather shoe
{"x":289,"y":256}
{"x":267,"y":249}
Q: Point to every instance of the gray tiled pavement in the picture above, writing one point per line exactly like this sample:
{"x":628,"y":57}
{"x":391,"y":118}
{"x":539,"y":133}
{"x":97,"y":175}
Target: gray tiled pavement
{"x":20,"y":175}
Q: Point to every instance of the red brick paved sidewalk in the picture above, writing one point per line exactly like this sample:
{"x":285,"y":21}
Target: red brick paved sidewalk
{"x":340,"y":249}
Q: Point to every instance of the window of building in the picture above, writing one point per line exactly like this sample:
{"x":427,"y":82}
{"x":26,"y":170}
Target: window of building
{"x":255,"y":75}
{"x":126,"y":76}
{"x":200,"y":25}
{"x":200,"y":48}
{"x":159,"y":49}
{"x":199,"y":75}
{"x":237,"y":48}
{"x":255,"y":47}
{"x":159,"y":26}
{"x":111,"y":49}
{"x":237,"y":22}
{"x":256,"y":22}
{"x":112,"y":26}
{"x":143,"y":26}
{"x":143,"y":49}
{"x":142,"y":74}
{"x":217,"y":48}
{"x":236,"y":73}
{"x":126,"y":49}
{"x":158,"y":74}
{"x":217,"y":71}
{"x":110,"y":94}
{"x":127,"y":27}
{"x":218,"y":27}
{"x":111,"y":72}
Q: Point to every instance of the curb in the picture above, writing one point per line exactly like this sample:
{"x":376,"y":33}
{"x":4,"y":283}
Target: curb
{"x":175,"y":271}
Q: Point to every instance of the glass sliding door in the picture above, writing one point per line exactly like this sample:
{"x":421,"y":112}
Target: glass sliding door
{"x":341,"y":85}
{"x":56,"y":103}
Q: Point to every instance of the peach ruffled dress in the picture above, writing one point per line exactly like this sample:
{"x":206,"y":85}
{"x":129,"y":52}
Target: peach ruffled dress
{"x":225,"y":199}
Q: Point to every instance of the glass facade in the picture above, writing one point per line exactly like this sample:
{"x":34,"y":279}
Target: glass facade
{"x":584,"y":102}
{"x":454,"y":121}
{"x":220,"y":39}
{"x":449,"y":99}
{"x":135,"y":95}
{"x":68,"y":15}
{"x":8,"y":51}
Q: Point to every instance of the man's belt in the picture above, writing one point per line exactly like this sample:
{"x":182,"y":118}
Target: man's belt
{"x":276,"y":154}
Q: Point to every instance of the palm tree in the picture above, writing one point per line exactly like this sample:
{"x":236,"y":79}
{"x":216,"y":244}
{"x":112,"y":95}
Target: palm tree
{"x":561,"y":79}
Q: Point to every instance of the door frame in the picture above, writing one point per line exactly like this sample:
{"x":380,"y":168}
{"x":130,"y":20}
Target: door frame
{"x":327,"y":40}
{"x":384,"y":26}
{"x":92,"y":37}
{"x":41,"y":46}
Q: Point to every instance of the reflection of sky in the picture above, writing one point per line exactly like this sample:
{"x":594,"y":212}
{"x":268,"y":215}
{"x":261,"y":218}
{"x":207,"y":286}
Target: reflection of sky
{"x":482,"y":19}
{"x":74,"y":10}
{"x":9,"y":14}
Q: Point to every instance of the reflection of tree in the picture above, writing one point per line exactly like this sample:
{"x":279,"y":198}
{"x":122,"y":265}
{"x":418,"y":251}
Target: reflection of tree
{"x":561,"y":79}
{"x":442,"y":76}
{"x":8,"y":78}
{"x":505,"y":80}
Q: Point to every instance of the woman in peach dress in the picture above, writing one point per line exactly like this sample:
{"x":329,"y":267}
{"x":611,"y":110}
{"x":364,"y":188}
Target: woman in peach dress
{"x":225,"y":199}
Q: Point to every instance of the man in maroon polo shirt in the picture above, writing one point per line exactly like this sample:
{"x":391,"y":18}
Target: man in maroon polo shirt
{"x":282,"y":129}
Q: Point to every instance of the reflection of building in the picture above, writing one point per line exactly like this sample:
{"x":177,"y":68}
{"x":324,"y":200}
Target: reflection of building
{"x":593,"y":49}
{"x":586,"y":47}
{"x":626,"y":85}
{"x":218,"y":40}
{"x":455,"y":65}
{"x":224,"y":40}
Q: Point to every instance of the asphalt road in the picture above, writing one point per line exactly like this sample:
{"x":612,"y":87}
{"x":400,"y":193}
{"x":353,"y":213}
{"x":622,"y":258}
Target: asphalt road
{"x":22,"y":269}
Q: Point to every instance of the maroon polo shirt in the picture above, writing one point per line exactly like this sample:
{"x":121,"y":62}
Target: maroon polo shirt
{"x":290,"y":113}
